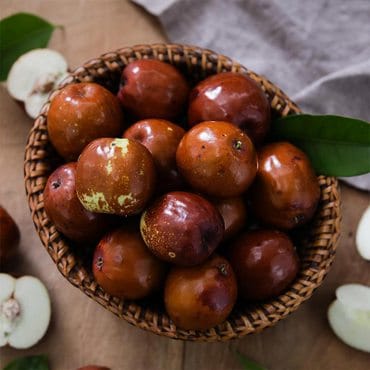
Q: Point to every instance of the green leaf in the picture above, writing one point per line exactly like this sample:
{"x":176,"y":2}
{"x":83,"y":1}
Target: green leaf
{"x":248,"y":364}
{"x":336,"y":146}
{"x":20,"y":33}
{"x":39,"y":362}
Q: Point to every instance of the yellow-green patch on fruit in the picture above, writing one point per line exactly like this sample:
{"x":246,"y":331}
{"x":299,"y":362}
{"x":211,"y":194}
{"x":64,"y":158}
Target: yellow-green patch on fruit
{"x":122,"y":144}
{"x":125,"y":199}
{"x":95,"y":202}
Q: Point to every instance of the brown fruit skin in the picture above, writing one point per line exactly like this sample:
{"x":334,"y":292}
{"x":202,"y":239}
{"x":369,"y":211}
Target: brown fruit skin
{"x":231,"y":97}
{"x":9,"y":236}
{"x":200,"y":297}
{"x":286,"y":191}
{"x":79,"y":114}
{"x":234,"y":214}
{"x":123,"y":266}
{"x":264,"y":262}
{"x":182,"y":228}
{"x":66,"y":211}
{"x":161,"y":138}
{"x":217,"y":158}
{"x":153,"y":89}
{"x":115,"y":176}
{"x":93,"y":367}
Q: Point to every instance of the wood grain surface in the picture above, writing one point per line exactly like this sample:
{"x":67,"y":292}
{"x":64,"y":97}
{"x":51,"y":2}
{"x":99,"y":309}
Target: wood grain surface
{"x":81,"y":331}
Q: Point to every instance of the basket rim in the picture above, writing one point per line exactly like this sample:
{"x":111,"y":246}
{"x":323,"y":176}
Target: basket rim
{"x":253,"y":318}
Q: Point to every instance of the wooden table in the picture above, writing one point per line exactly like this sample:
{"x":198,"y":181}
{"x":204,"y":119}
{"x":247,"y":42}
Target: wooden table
{"x":81,"y":331}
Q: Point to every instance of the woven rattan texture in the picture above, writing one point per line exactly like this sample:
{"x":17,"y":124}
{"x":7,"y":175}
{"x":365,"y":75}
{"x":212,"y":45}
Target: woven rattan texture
{"x":317,"y":247}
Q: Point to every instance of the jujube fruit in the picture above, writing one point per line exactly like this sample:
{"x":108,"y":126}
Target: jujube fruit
{"x":182,"y":228}
{"x":286,"y":191}
{"x":24,"y":311}
{"x":265,"y":263}
{"x":231,"y":97}
{"x":200,"y":297}
{"x":153,"y":89}
{"x":66,"y":211}
{"x":124,"y":267}
{"x":80,"y":113}
{"x":9,"y":236}
{"x":161,"y":138}
{"x":115,"y":176}
{"x":217,"y":158}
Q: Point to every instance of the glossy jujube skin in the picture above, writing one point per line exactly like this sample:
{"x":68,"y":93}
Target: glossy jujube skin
{"x":115,"y":176}
{"x":231,"y":97}
{"x":217,"y":158}
{"x":200,"y":297}
{"x":123,"y":266}
{"x":153,"y":89}
{"x":161,"y":138}
{"x":79,"y":114}
{"x":286,"y":191}
{"x":182,"y":228}
{"x":66,"y":211}
{"x":234,"y":214}
{"x":9,"y":236}
{"x":265,"y":263}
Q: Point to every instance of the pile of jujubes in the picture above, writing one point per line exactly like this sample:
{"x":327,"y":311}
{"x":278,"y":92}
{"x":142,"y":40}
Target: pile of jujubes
{"x":167,"y":206}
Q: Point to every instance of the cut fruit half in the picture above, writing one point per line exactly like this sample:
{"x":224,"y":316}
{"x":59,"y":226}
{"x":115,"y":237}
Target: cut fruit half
{"x":363,"y":235}
{"x":350,"y":325}
{"x":34,"y":75}
{"x":33,"y":71}
{"x":349,"y":315}
{"x":24,"y":311}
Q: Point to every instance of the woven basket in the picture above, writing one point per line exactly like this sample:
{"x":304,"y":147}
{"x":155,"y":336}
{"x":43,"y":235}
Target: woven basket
{"x":317,"y":247}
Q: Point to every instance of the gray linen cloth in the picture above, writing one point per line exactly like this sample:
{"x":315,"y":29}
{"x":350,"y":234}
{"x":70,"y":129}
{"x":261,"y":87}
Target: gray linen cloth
{"x":317,"y":51}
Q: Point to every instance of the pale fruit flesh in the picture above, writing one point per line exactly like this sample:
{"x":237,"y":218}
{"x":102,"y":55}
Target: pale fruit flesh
{"x":363,"y":235}
{"x":24,"y":311}
{"x":349,"y":315}
{"x":355,"y":296}
{"x":35,"y":101}
{"x":7,"y":285}
{"x":350,"y":325}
